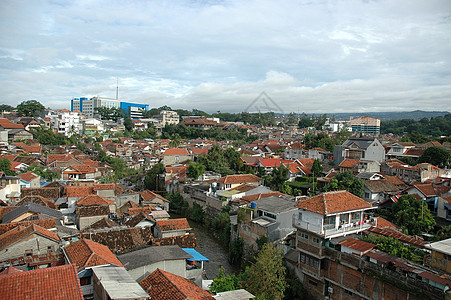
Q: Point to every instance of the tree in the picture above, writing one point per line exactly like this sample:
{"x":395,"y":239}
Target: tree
{"x":437,"y":156}
{"x":266,"y":278}
{"x":346,"y":181}
{"x":277,"y":178}
{"x":5,"y":167}
{"x":412,"y":215}
{"x":317,"y":168}
{"x":6,"y":107}
{"x":224,"y":283}
{"x":30,"y":108}
{"x":128,"y":123}
{"x":109,"y":113}
{"x":195,"y":170}
{"x":151,"y":179}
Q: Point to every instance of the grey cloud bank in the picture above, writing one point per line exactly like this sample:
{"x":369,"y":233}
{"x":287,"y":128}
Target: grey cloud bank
{"x":329,"y":56}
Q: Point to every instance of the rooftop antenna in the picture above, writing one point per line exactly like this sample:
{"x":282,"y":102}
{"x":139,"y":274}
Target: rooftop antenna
{"x":117,"y":88}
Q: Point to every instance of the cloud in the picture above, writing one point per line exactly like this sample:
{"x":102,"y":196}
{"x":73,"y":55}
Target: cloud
{"x":309,"y":56}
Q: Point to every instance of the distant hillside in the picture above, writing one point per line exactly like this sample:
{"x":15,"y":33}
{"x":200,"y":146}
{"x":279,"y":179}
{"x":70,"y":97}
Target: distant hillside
{"x":389,"y":116}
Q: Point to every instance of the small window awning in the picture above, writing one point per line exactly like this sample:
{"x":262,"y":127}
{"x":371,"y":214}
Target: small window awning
{"x":196,"y":255}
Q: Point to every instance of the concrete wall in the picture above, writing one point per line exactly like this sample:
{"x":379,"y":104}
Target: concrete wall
{"x":84,"y":222}
{"x":176,"y":266}
{"x":35,"y":242}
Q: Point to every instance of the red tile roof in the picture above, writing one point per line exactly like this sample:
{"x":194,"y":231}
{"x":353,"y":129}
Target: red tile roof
{"x":86,"y":253}
{"x":19,"y":233}
{"x":162,"y":285}
{"x":176,"y":151}
{"x":28,"y":176}
{"x":357,"y":245}
{"x":431,"y":190}
{"x":59,"y":157}
{"x":333,"y":202}
{"x":82,"y":169}
{"x":79,"y":191}
{"x":51,"y":283}
{"x":349,"y":163}
{"x":11,"y":270}
{"x":7,"y":124}
{"x":398,"y":235}
{"x":240,"y":178}
{"x":94,"y":200}
{"x":149,"y":195}
{"x":104,"y":186}
{"x":173,"y":224}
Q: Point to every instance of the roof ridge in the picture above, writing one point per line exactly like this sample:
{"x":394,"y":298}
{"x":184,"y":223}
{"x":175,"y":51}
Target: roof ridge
{"x":324,"y":201}
{"x":172,"y":283}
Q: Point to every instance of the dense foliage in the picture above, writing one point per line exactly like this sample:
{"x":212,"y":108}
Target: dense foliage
{"x":152,"y":177}
{"x":412,"y":215}
{"x":48,"y":137}
{"x":437,"y":156}
{"x":395,"y":247}
{"x":346,"y":181}
{"x":30,"y":108}
{"x":223,"y":162}
{"x":435,"y":127}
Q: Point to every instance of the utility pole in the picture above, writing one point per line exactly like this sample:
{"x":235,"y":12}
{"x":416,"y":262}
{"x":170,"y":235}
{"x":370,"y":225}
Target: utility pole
{"x":117,"y":88}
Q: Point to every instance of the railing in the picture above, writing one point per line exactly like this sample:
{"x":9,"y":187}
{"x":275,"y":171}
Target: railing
{"x":347,"y":228}
{"x":330,"y":230}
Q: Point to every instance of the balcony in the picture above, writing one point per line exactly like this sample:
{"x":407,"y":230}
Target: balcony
{"x":330,"y":231}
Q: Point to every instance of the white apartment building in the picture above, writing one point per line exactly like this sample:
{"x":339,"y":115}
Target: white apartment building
{"x":65,"y":122}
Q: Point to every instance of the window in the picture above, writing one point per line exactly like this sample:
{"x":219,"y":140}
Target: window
{"x":49,"y":248}
{"x":29,"y":252}
{"x":303,"y":235}
{"x":316,"y":240}
{"x":85,"y":280}
{"x":228,"y":186}
{"x":356,"y":216}
{"x":269,"y":215}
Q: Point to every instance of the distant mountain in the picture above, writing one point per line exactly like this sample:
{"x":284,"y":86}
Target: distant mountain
{"x":387,"y":116}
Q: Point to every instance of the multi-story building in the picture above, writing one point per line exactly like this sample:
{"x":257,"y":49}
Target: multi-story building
{"x":65,"y":122}
{"x":88,"y":106}
{"x":333,"y":263}
{"x":167,"y":117}
{"x":369,"y":149}
{"x":366,"y":125}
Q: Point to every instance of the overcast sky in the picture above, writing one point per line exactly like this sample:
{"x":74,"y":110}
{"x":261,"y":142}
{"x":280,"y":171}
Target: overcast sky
{"x":308,"y":56}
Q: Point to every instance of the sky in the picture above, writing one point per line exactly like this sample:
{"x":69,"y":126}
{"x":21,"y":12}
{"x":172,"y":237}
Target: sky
{"x":230,"y":56}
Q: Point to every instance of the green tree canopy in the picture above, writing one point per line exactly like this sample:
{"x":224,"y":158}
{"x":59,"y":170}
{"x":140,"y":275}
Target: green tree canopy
{"x":5,"y":167}
{"x":6,"y":107}
{"x":346,"y":181}
{"x":317,"y":168}
{"x":128,"y":123}
{"x":151,"y":179}
{"x":266,"y":278}
{"x":437,"y":156}
{"x":412,"y":215}
{"x":195,"y":170}
{"x":276,"y":180}
{"x":30,"y":108}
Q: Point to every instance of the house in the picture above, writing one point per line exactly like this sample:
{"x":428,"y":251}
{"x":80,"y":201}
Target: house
{"x":114,"y":283}
{"x":9,"y":188}
{"x":142,"y":262}
{"x":398,"y":149}
{"x":359,"y":148}
{"x":65,"y":122}
{"x":29,"y":180}
{"x":151,"y":198}
{"x":176,"y":156}
{"x":349,"y":164}
{"x":86,"y":254}
{"x":38,"y":200}
{"x":85,"y":216}
{"x":435,"y":197}
{"x":14,"y":132}
{"x":59,"y":283}
{"x":272,"y":218}
{"x":440,"y":254}
{"x":331,"y":214}
{"x":140,"y":220}
{"x":407,"y":173}
{"x":299,"y":168}
{"x":379,"y":190}
{"x":171,"y":227}
{"x":199,"y":122}
{"x":162,"y":285}
{"x":334,"y":266}
{"x":79,"y":172}
{"x":28,"y":241}
{"x":31,"y":211}
{"x":231,"y":181}
{"x":96,"y":200}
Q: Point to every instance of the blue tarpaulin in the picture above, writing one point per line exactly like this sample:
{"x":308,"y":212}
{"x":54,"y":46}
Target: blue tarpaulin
{"x":196,"y":255}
